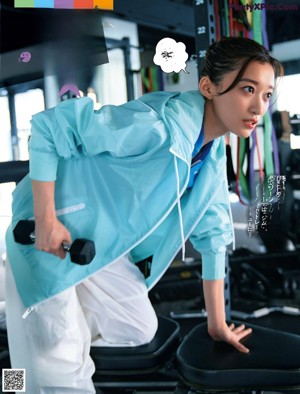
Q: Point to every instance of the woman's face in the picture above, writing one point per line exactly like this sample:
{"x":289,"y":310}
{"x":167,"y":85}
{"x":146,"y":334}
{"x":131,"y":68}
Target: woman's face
{"x":240,"y":109}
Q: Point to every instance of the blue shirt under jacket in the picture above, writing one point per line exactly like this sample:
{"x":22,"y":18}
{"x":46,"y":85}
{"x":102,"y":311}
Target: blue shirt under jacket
{"x":121,"y":180}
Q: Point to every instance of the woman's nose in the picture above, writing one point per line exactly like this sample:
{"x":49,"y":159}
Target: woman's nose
{"x":259,"y":106}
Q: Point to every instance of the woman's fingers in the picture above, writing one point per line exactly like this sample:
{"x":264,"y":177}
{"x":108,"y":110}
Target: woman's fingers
{"x":239,"y":332}
{"x":240,"y":347}
{"x":60,"y":252}
{"x":50,"y":237}
{"x":244,"y":333}
{"x":233,"y":335}
{"x":240,"y":329}
{"x":236,"y":330}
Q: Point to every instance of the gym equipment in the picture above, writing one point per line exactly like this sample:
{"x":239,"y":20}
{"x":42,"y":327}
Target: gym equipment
{"x":146,"y":367}
{"x":201,"y":365}
{"x":4,"y":353}
{"x":82,"y":251}
{"x":13,"y":171}
{"x":206,"y":366}
{"x":286,"y":310}
{"x":265,"y":281}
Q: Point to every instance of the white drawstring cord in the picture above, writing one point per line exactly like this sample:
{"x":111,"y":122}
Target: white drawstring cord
{"x":179,"y":208}
{"x":230,"y":216}
{"x":26,"y":313}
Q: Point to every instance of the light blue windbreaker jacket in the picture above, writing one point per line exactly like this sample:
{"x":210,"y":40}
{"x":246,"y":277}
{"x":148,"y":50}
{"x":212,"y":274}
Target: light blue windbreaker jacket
{"x":121,"y":174}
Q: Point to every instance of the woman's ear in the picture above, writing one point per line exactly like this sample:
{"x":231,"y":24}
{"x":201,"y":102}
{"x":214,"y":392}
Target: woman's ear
{"x":206,"y":87}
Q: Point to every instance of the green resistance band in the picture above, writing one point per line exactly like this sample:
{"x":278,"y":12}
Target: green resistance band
{"x":226,"y":19}
{"x":268,"y":154}
{"x":154,"y":78}
{"x":244,"y":184}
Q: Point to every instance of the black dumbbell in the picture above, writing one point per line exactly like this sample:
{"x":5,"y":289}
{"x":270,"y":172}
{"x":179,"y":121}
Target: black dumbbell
{"x":82,"y":251}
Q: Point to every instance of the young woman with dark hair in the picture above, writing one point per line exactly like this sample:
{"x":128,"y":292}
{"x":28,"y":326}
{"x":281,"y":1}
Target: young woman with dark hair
{"x":137,"y":179}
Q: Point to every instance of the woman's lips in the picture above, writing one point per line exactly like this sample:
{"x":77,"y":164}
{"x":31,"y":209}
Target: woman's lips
{"x":250,"y":123}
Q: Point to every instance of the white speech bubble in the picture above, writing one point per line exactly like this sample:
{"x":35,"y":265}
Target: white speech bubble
{"x":170,"y":55}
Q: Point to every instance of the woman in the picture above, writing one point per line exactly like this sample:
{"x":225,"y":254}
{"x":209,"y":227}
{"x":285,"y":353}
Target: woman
{"x":138,"y":179}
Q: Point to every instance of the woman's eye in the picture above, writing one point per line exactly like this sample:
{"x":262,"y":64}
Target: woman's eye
{"x":249,"y":89}
{"x":269,"y":95}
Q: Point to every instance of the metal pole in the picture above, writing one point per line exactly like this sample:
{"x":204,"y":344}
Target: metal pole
{"x":13,"y":125}
{"x":128,"y":71}
{"x":205,"y":26}
{"x":227,"y":289}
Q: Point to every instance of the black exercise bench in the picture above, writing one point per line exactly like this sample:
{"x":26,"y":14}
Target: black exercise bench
{"x":201,"y":364}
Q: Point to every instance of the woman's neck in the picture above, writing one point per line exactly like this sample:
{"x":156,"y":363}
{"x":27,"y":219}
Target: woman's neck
{"x":212,"y":127}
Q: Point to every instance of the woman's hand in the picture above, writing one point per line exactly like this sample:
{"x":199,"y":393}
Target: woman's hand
{"x":216,"y":319}
{"x":232,"y":335}
{"x":50,"y":235}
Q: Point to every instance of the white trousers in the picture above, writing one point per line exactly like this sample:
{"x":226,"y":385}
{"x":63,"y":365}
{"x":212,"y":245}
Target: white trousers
{"x":111,"y":308}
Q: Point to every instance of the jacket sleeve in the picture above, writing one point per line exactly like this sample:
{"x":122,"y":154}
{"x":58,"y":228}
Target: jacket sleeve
{"x":212,"y":235}
{"x":73,"y":128}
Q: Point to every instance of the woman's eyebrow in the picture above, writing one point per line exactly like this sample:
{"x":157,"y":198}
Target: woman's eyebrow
{"x":254,"y":82}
